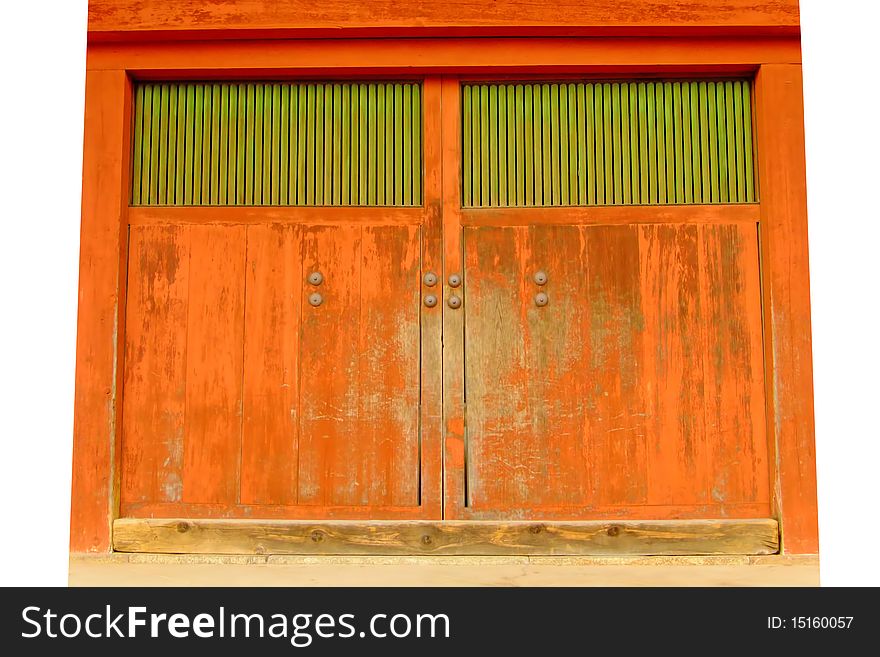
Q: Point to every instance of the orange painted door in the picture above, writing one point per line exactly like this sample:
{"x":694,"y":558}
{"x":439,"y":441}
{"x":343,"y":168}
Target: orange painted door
{"x":636,"y":391}
{"x":255,"y":388}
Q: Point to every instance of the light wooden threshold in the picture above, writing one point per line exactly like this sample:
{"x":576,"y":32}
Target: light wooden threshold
{"x":451,"y":537}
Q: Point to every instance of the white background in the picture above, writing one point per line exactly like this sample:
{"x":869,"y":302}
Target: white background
{"x":41,"y":108}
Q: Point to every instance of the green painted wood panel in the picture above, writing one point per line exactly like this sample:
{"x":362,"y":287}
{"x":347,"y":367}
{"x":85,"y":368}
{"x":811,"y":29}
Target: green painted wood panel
{"x":277,"y":143}
{"x":607,"y":143}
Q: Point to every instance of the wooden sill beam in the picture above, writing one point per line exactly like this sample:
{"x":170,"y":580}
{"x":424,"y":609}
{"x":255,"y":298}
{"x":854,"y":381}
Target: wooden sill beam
{"x":599,"y":538}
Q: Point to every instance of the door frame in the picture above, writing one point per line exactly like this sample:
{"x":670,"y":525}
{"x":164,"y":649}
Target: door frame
{"x":443,"y":63}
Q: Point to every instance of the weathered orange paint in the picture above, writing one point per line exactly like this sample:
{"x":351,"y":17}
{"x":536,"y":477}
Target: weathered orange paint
{"x":749,"y":453}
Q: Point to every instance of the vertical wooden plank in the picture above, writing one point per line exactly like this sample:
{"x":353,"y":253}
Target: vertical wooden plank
{"x":583,"y":129}
{"x":501,"y":163}
{"x":733,"y":155}
{"x":214,"y":177}
{"x":573,"y":133}
{"x":528,"y":163}
{"x":687,"y":143}
{"x":246,"y":166}
{"x":223,"y":154}
{"x":512,"y":131}
{"x":381,"y":140}
{"x":180,"y":171}
{"x":519,"y":146}
{"x":677,"y":139}
{"x":734,"y":374}
{"x":171,"y":157}
{"x":616,"y":150}
{"x":490,"y":136}
{"x":748,"y":153}
{"x":283,"y":122}
{"x":154,"y":381}
{"x":189,"y":163}
{"x":336,"y":153}
{"x":293,"y":153}
{"x":723,"y":155}
{"x":563,"y":143}
{"x":696,"y":148}
{"x":601,"y":155}
{"x":616,"y":395}
{"x":669,"y":134}
{"x":303,"y":138}
{"x":164,"y":121}
{"x":625,"y":165}
{"x":270,"y":427}
{"x":309,"y":163}
{"x":356,"y":110}
{"x":345,"y":146}
{"x":538,"y":144}
{"x":329,"y":143}
{"x":705,"y":159}
{"x":214,"y":341}
{"x":137,"y":132}
{"x":390,"y":144}
{"x":551,"y":113}
{"x":398,"y":144}
{"x":659,"y":127}
{"x":207,"y":136}
{"x":634,"y":162}
{"x":714,"y":175}
{"x":104,"y":199}
{"x":319,"y":161}
{"x":467,"y":156}
{"x":608,"y":142}
{"x":548,"y":162}
{"x":418,"y":176}
{"x":272,"y":161}
{"x":485,"y":156}
{"x":675,"y":350}
{"x":593,"y":158}
{"x":406,"y":168}
{"x":241,"y":144}
{"x":155,"y":150}
{"x":646,"y":177}
{"x":373,"y":144}
{"x":363,"y":143}
{"x":785,"y":266}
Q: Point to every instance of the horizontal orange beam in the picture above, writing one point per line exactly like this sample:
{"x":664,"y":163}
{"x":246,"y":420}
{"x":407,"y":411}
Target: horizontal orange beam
{"x":312,"y":215}
{"x":613,"y":215}
{"x":124,"y":19}
{"x":412,"y":56}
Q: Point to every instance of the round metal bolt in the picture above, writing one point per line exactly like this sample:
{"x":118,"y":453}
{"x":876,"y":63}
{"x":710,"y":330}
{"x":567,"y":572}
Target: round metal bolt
{"x":430,"y":279}
{"x":316,"y":278}
{"x":454,"y":302}
{"x":541,"y":277}
{"x":430,"y":300}
{"x":541,"y":299}
{"x":454,"y":280}
{"x":315,"y":299}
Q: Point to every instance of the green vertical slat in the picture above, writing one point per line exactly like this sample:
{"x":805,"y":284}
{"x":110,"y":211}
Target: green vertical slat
{"x":137,"y":138}
{"x":223,"y":144}
{"x":380,"y":144}
{"x":712,"y":139}
{"x":608,"y":142}
{"x":317,"y":162}
{"x":748,"y":154}
{"x":582,"y":131}
{"x":390,"y":145}
{"x":180,"y":145}
{"x":407,"y":173}
{"x":241,"y":168}
{"x":731,"y":142}
{"x":705,"y":150}
{"x":308,"y":157}
{"x":327,"y":197}
{"x":467,"y":198}
{"x":573,"y":132}
{"x":283,"y":120}
{"x":398,"y":144}
{"x":561,"y":113}
{"x":552,"y":118}
{"x":336,"y":195}
{"x":651,"y":132}
{"x":291,"y":155}
{"x":512,"y":129}
{"x":171,"y":145}
{"x":537,"y":146}
{"x":214,"y":173}
{"x":205,"y":198}
{"x":625,"y":173}
{"x":721,"y":137}
{"x":696,"y":165}
{"x":501,"y":164}
{"x":164,"y":120}
{"x":740,"y":143}
{"x":590,"y":128}
{"x":660,"y":127}
{"x":255,"y":144}
{"x":547,"y":154}
{"x":272,"y":141}
{"x":354,"y":169}
{"x":345,"y":146}
{"x":188,"y":145}
{"x":678,"y":156}
{"x":373,"y":158}
{"x":302,"y":144}
{"x":599,"y":138}
{"x":417,"y":144}
{"x":232,"y":145}
{"x":669,"y":135}
{"x":686,"y":144}
{"x":147,"y":143}
{"x":484,"y":146}
{"x":490,"y":156}
{"x":644,"y":157}
{"x":519,"y":145}
{"x":198,"y":105}
{"x":363,"y":143}
{"x":528,"y":146}
{"x":616,"y":148}
{"x":633,"y":120}
{"x":155,"y":110}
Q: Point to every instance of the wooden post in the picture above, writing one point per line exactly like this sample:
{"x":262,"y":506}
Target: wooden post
{"x":785,"y":272}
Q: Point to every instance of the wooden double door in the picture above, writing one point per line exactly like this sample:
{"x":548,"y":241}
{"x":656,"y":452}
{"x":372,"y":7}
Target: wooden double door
{"x":292,"y":371}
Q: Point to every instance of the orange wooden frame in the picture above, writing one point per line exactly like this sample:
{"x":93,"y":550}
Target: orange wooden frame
{"x":768,"y":49}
